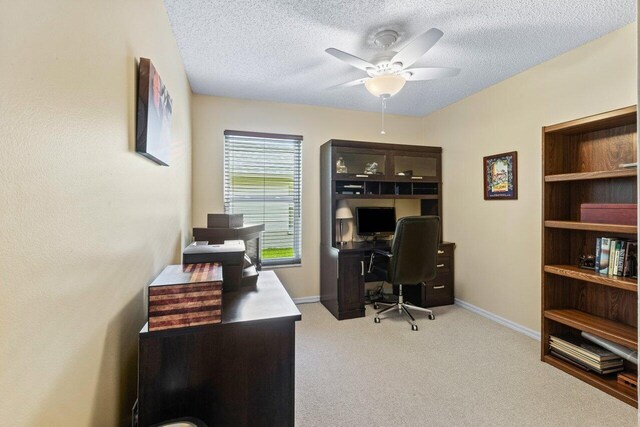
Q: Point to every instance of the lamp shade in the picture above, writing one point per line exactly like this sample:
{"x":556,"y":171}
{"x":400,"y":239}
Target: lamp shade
{"x":386,"y":84}
{"x":343,"y":211}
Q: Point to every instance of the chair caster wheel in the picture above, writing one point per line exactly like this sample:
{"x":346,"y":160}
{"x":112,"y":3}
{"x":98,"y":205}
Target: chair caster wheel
{"x":376,"y":320}
{"x":432,"y":317}
{"x":375,"y":305}
{"x":414,"y":327}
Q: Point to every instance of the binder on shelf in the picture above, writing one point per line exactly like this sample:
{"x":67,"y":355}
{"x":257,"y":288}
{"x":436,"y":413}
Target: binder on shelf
{"x":604,"y":256}
{"x":598,"y":249}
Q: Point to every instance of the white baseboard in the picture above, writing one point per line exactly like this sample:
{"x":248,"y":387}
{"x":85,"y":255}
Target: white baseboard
{"x":306,"y":300}
{"x":508,"y":323}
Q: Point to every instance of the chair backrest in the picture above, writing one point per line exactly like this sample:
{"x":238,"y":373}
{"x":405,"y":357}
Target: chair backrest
{"x":415,"y":250}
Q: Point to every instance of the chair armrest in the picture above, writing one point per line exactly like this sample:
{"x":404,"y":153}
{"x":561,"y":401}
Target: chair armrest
{"x":384,"y":253}
{"x":373,"y":255}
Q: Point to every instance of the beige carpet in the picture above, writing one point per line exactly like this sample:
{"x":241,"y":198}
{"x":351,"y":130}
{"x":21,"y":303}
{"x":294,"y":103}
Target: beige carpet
{"x":457,"y":370}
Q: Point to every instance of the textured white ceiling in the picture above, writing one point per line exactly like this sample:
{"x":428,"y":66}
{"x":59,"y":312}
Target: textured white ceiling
{"x":274,"y":49}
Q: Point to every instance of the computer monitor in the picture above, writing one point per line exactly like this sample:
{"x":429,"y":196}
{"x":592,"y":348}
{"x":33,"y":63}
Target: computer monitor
{"x":375,"y":221}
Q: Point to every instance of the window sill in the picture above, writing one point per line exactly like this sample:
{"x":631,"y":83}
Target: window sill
{"x":275,"y":267}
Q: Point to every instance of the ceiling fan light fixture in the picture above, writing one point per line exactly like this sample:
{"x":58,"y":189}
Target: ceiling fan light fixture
{"x":385,"y":85}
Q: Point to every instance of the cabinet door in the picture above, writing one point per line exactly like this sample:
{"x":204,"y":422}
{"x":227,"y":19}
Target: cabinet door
{"x":408,"y":166}
{"x":358,"y":163}
{"x":351,"y":282}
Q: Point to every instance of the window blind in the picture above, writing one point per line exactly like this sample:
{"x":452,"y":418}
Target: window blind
{"x":263,"y":181}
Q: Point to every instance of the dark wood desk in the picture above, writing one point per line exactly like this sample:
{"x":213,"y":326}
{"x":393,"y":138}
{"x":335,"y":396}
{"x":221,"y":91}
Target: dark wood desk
{"x":344,"y":273}
{"x":236,"y":373}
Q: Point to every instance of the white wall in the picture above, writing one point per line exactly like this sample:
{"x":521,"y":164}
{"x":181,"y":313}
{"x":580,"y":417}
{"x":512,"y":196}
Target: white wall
{"x":498,"y":242}
{"x":212,"y":115}
{"x":86,"y":222}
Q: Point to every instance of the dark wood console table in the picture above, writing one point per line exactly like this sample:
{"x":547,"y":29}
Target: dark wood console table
{"x":236,"y":373}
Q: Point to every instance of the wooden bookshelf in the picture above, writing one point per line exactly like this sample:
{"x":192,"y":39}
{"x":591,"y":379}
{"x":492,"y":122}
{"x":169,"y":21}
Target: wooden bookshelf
{"x":581,"y":164}
{"x":575,"y":272}
{"x":606,"y":383}
{"x":582,"y":176}
{"x":592,"y":226}
{"x":614,"y":331}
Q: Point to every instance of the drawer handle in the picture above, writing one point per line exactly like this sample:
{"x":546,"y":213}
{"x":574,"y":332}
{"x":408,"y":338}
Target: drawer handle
{"x":440,"y":265}
{"x":439,"y":287}
{"x":440,"y":252}
{"x":362,"y":176}
{"x":416,"y":177}
{"x":362,"y":267}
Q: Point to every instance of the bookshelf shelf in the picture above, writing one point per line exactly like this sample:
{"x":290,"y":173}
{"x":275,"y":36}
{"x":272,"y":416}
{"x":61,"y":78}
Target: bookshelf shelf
{"x":581,"y":165}
{"x":574,"y":272}
{"x":592,"y":226}
{"x":606,"y":383}
{"x":614,"y":331}
{"x":582,"y":176}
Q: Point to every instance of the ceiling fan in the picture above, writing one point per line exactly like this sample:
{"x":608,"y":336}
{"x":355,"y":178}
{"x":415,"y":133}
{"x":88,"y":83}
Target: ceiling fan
{"x":389,"y":71}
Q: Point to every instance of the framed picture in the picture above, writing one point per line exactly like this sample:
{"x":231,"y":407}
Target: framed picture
{"x":153,"y":126}
{"x":501,"y":176}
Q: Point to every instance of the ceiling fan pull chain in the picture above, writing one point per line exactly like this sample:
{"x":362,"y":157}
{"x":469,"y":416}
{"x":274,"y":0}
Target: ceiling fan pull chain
{"x":384,"y":107}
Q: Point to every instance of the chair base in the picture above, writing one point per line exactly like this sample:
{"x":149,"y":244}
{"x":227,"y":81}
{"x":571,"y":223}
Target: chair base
{"x":402,"y":307}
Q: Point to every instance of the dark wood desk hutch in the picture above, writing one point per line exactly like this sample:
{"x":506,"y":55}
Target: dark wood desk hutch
{"x":403,"y":172}
{"x":581,"y":164}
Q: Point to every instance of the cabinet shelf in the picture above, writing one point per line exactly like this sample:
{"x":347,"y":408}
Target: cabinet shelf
{"x":606,"y":383}
{"x":574,"y":272}
{"x":582,"y":176}
{"x":608,"y":329}
{"x":592,"y":226}
{"x":388,"y":196}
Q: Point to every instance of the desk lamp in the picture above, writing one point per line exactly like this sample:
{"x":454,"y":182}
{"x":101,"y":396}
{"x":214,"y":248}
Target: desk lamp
{"x":343,"y":212}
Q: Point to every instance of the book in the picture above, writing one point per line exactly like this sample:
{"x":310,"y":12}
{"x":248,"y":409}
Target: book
{"x":598,"y":248}
{"x":612,"y":256}
{"x":585,"y":354}
{"x":630,"y":263}
{"x":621,"y":258}
{"x":604,"y":256}
{"x":579,"y":364}
{"x":613,"y":265}
{"x":588,"y":349}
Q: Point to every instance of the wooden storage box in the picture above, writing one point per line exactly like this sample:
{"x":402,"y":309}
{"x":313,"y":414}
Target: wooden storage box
{"x":602,"y":213}
{"x":183,"y":296}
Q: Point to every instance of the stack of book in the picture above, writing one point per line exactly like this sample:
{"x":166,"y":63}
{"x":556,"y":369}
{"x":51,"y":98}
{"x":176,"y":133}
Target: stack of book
{"x":587,"y":356}
{"x":616,"y":257}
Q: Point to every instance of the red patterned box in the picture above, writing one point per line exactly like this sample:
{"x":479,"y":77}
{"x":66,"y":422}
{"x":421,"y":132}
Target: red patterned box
{"x":186,"y":295}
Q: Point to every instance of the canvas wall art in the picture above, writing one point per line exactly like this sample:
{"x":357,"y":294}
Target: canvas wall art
{"x":153,"y":126}
{"x":501,"y":176}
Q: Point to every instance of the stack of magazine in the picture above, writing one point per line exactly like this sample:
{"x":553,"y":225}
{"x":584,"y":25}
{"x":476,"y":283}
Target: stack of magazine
{"x":589,"y":356}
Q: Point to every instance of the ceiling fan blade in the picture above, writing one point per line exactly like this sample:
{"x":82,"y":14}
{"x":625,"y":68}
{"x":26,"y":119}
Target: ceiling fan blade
{"x":417,"y":74}
{"x":417,"y":47}
{"x":350,"y":84}
{"x":354,"y":61}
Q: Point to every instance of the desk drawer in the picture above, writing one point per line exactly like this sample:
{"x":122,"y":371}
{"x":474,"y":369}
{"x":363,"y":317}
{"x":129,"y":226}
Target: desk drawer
{"x":446,"y":249}
{"x":439,"y":291}
{"x":444,"y":264}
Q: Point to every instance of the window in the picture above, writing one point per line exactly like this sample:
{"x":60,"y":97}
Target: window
{"x":262,"y":180}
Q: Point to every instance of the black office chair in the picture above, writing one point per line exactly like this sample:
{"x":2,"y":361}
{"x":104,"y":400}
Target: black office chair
{"x":412,"y":260}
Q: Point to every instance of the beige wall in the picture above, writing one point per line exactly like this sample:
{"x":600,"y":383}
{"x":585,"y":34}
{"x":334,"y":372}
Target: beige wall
{"x":86,"y":222}
{"x":498,"y":242}
{"x":212,"y":115}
